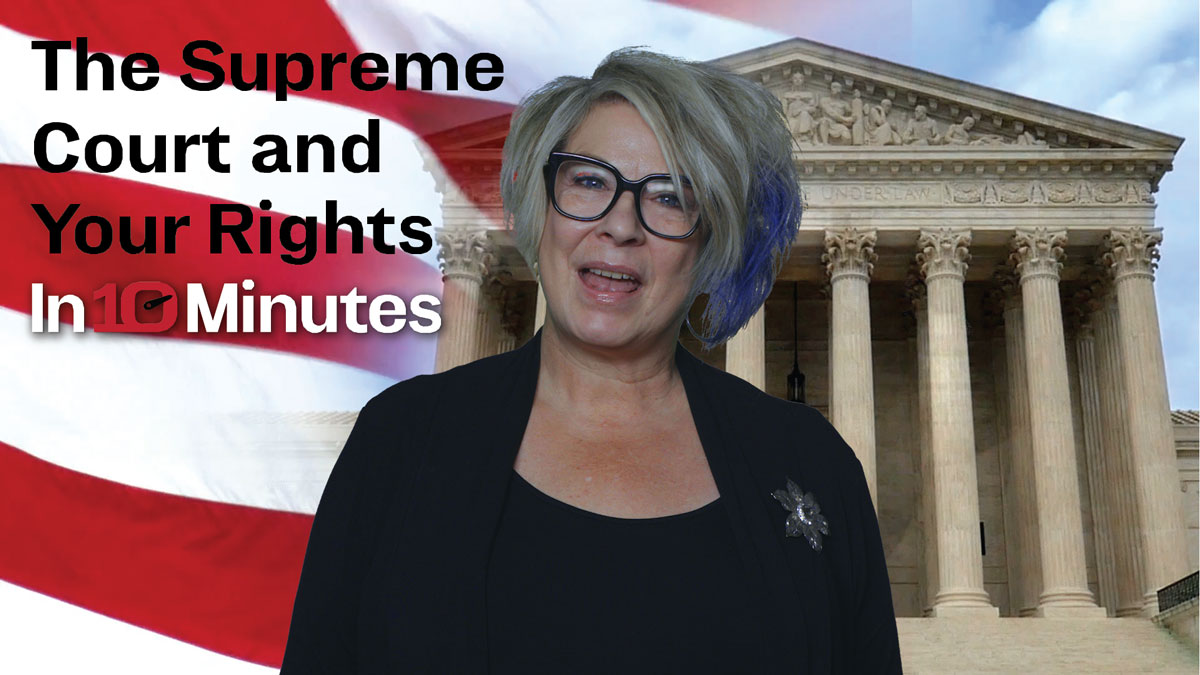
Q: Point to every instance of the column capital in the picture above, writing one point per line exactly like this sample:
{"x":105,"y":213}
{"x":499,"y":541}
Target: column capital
{"x":1086,"y":301}
{"x":943,"y":251}
{"x":1131,"y":252}
{"x":1038,"y":252}
{"x":849,"y":252}
{"x":914,"y":289}
{"x":1075,"y":311}
{"x":1079,"y":317}
{"x":465,"y":254}
{"x":502,"y":292}
{"x":1096,"y":280}
{"x":1008,"y":287}
{"x":914,"y":292}
{"x":995,"y":302}
{"x":497,"y":287}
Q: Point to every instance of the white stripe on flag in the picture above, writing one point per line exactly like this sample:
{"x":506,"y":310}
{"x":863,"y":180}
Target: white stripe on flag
{"x":540,"y":40}
{"x":184,"y":417}
{"x":43,"y":635}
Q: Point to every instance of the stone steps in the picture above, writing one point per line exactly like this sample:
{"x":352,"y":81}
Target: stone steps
{"x":1041,"y":645}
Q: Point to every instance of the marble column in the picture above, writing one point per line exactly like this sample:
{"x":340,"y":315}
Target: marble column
{"x":1118,"y":453}
{"x":1097,"y":471}
{"x":916,"y":293}
{"x":849,"y":258}
{"x":746,"y":351}
{"x":464,"y":256}
{"x":495,"y":337}
{"x":826,"y":293}
{"x":1019,"y":494}
{"x":511,"y":321}
{"x":1037,"y":254}
{"x":942,"y":256}
{"x":1132,"y":256}
{"x":488,"y":333}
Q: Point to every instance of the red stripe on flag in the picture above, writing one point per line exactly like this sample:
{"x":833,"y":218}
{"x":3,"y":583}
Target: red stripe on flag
{"x":216,"y":575}
{"x":399,"y":355}
{"x":820,"y":20}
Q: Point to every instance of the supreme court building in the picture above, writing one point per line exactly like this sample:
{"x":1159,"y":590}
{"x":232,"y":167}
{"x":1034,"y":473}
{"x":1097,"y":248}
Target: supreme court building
{"x":971,"y":302}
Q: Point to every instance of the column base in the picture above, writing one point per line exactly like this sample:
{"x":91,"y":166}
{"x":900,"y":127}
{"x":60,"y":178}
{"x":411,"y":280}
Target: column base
{"x":1066,"y":597}
{"x":981,"y":611}
{"x":1069,"y":612}
{"x":1150,"y":605}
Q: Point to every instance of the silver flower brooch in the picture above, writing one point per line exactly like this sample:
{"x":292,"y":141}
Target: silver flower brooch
{"x":804,"y":514}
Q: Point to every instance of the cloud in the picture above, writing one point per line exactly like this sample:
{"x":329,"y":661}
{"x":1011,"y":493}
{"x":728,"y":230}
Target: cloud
{"x":1077,"y":51}
{"x":1163,"y":98}
{"x":1135,"y":62}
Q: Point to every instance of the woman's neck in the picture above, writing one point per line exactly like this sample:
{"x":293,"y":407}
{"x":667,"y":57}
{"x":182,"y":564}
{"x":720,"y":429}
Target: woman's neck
{"x":608,"y":383}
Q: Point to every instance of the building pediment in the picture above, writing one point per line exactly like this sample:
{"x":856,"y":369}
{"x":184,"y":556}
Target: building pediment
{"x":835,"y":102}
{"x":875,"y":136}
{"x":837,"y":99}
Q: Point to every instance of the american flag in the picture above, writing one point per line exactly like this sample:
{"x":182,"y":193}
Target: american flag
{"x":146,"y":522}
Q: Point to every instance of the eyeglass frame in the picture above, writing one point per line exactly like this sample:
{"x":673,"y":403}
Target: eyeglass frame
{"x":550,"y":171}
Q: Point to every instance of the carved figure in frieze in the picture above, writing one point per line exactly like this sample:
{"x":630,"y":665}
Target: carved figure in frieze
{"x":801,"y":109}
{"x":857,"y":127}
{"x":1026,"y":138}
{"x":960,"y":134}
{"x":921,"y":129}
{"x":838,"y":117}
{"x":879,"y":128}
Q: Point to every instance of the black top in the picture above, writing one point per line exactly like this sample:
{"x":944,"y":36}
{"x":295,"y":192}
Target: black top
{"x":573,"y":591}
{"x":395,"y":574}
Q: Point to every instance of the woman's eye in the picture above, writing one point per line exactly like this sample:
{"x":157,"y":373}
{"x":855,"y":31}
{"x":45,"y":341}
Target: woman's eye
{"x":667,"y":199}
{"x":591,"y":182}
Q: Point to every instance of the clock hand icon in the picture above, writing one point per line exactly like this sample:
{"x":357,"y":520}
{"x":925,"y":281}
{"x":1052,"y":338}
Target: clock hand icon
{"x":151,"y":304}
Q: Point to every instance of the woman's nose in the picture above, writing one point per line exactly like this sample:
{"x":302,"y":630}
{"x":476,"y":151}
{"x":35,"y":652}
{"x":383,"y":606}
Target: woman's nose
{"x":621,"y":223}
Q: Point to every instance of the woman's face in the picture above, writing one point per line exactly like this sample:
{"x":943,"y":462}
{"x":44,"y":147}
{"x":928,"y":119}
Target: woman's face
{"x":592,"y":308}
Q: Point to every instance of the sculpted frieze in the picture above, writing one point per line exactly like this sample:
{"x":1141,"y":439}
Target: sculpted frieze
{"x":820,"y":116}
{"x":982,"y":192}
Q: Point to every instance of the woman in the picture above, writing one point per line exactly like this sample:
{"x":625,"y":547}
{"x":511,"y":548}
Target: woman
{"x":600,"y":500}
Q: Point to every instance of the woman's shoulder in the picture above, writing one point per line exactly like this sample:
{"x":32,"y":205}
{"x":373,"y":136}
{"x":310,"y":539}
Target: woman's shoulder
{"x":418,"y":398}
{"x":402,"y":395}
{"x":762,"y":408}
{"x":801,"y":431}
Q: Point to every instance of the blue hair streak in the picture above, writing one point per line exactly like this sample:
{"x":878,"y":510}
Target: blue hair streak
{"x":774,"y":214}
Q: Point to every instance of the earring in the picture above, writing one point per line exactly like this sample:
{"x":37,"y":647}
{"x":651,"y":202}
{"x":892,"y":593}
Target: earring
{"x":537,"y":273}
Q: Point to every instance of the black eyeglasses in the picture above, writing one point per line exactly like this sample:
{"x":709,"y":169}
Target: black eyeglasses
{"x":585,"y":188}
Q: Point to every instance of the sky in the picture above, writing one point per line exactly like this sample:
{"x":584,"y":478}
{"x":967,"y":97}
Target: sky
{"x":1135,"y":62}
{"x":1130,"y":61}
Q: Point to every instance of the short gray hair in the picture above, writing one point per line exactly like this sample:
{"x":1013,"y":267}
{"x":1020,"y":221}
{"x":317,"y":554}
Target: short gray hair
{"x":726,"y":133}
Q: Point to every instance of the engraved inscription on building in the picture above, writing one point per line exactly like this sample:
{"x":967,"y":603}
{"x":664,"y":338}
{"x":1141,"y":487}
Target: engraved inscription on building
{"x":917,"y":194}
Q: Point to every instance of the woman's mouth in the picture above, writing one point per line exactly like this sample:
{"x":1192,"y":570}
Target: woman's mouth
{"x":608,"y":281}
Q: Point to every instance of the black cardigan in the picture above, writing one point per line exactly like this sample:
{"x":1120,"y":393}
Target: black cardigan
{"x":394,"y":576}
